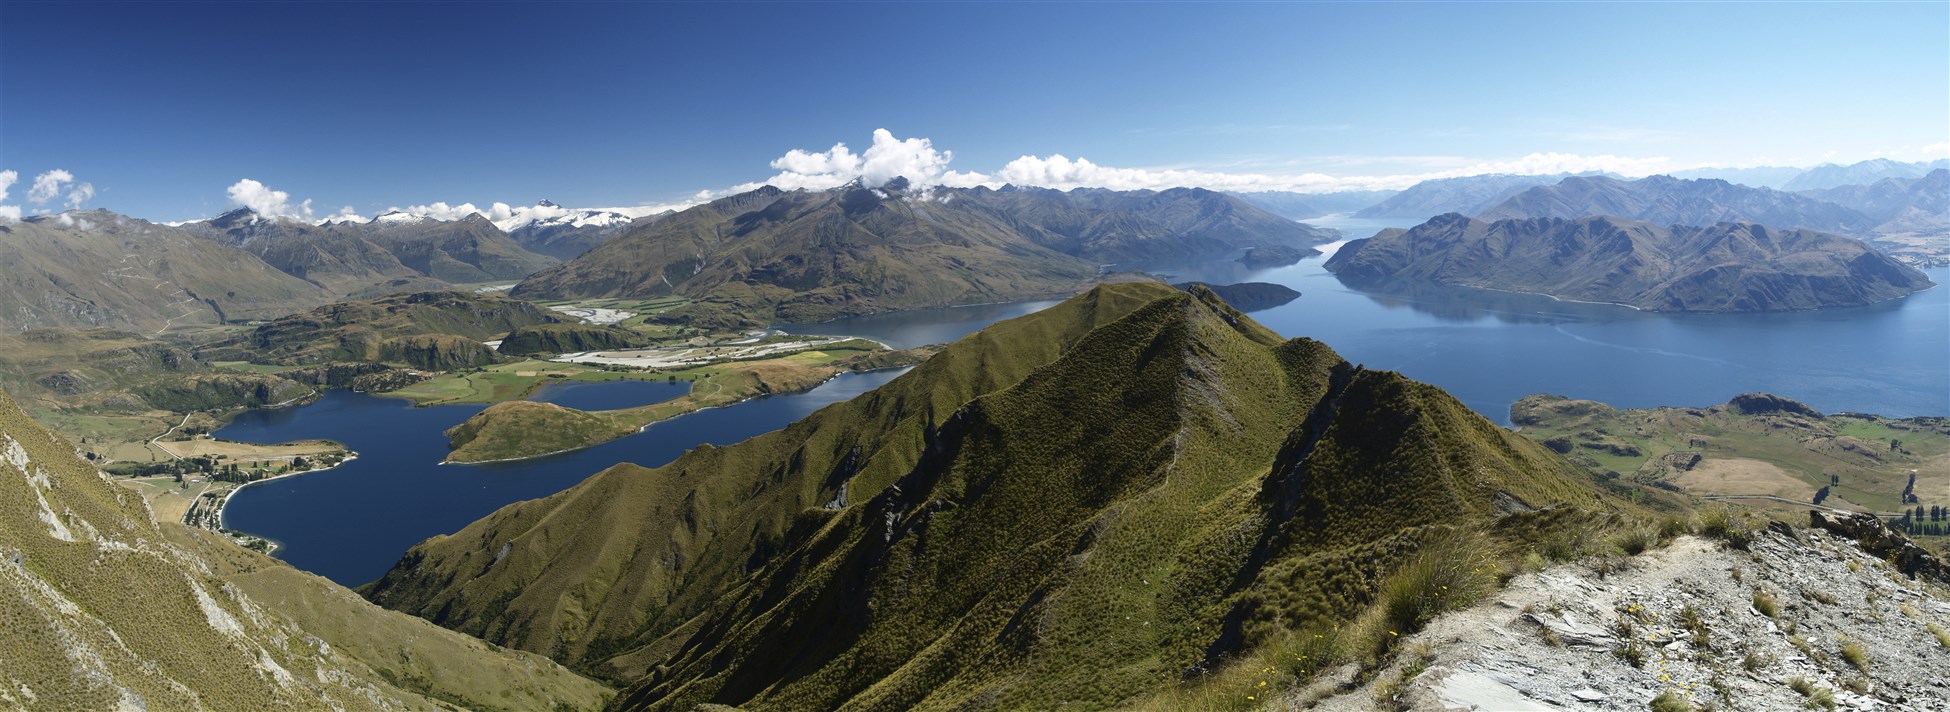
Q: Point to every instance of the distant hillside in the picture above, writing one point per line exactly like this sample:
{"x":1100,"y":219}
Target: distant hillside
{"x":1300,"y":206}
{"x":1467,"y":195}
{"x":1759,"y":177}
{"x":1086,"y":505}
{"x":1829,"y":175}
{"x":107,"y":608}
{"x":1898,"y":206}
{"x":1728,"y":267}
{"x":1670,"y":201}
{"x":95,"y":268}
{"x":770,"y":255}
{"x":400,"y":328}
{"x":340,"y":261}
{"x":349,"y":258}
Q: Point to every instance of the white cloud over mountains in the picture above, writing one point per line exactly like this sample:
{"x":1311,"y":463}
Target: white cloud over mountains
{"x":922,"y":164}
{"x":46,"y":187}
{"x":264,"y":201}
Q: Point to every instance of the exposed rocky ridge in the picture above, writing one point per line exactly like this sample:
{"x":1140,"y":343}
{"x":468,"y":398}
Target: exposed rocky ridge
{"x":1078,"y":505}
{"x":770,"y":255}
{"x":1665,"y":200}
{"x":1728,"y":267}
{"x":95,"y":268}
{"x":106,"y":608}
{"x":1558,"y":639}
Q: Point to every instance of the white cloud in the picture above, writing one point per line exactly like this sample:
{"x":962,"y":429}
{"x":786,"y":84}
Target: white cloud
{"x":264,"y":201}
{"x":346,"y":214}
{"x":7,"y":180}
{"x":440,"y":211}
{"x":48,"y":185}
{"x":10,"y":212}
{"x":82,"y":193}
{"x":915,"y":159}
{"x":921,"y":163}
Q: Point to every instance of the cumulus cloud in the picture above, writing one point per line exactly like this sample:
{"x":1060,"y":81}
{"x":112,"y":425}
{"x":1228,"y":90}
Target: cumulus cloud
{"x":345,"y":214}
{"x":82,"y":193}
{"x":264,"y":201}
{"x":10,"y":212}
{"x":920,"y":162}
{"x":48,"y":185}
{"x":915,"y":159}
{"x":7,"y":180}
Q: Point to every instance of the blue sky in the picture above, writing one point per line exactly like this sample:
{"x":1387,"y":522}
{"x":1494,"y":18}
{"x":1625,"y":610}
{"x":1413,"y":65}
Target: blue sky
{"x":162,"y":107}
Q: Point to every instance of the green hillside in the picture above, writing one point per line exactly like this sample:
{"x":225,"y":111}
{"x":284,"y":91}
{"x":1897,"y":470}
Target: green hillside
{"x":106,"y":608}
{"x":1079,"y":506}
{"x":427,"y":330}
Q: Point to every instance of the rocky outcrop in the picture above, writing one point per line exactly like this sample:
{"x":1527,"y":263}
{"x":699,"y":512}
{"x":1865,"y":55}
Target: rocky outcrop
{"x":218,"y":391}
{"x":1799,"y":617}
{"x":1769,"y":404}
{"x":436,"y":352}
{"x":1876,"y":537}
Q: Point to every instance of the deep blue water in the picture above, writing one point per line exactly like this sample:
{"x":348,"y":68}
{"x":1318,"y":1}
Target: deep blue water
{"x":1487,"y":348}
{"x":609,"y":395}
{"x":352,"y":522}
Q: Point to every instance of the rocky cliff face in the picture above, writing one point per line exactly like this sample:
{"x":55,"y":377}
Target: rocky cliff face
{"x":1728,"y":267}
{"x":1789,"y":618}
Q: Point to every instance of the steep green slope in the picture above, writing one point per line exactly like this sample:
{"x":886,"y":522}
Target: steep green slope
{"x":95,"y":268}
{"x":1077,"y":506}
{"x":105,"y":608}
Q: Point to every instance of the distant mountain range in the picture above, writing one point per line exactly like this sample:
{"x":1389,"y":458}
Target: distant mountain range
{"x":1759,"y":177}
{"x":352,"y":258}
{"x":1899,"y":206}
{"x":574,"y":231}
{"x":771,"y":255}
{"x":1468,"y":195}
{"x":1727,"y":267}
{"x":1829,"y":175}
{"x":1671,"y":201}
{"x":1300,"y":206}
{"x":99,"y":269}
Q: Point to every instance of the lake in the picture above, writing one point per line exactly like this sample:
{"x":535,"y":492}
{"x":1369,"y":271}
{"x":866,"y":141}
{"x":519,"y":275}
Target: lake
{"x":1487,"y":348}
{"x":352,"y":522}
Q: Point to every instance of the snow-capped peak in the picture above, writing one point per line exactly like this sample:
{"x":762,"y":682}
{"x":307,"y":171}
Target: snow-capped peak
{"x":399,"y":216}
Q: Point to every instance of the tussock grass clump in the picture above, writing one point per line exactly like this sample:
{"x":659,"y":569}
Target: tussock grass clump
{"x":1724,"y":524}
{"x":1754,"y":661}
{"x":1393,"y":694}
{"x":1694,"y":622}
{"x":1670,"y":701}
{"x":1855,"y":654}
{"x":1673,"y":527}
{"x":1765,"y":603}
{"x":1636,"y":540}
{"x":1820,"y":697}
{"x":1449,"y":573}
{"x":1942,"y":636}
